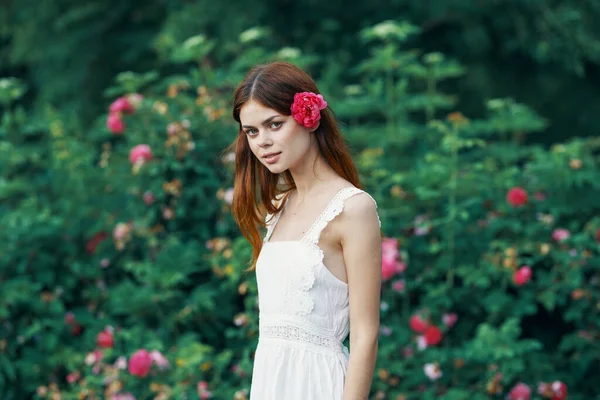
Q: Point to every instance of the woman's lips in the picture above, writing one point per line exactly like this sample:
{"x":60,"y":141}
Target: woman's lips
{"x":272,"y":159}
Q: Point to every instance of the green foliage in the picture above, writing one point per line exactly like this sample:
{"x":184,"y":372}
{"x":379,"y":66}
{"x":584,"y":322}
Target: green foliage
{"x":148,"y":250}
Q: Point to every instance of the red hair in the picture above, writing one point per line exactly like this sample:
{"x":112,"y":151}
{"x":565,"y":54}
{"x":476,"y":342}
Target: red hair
{"x":255,"y":188}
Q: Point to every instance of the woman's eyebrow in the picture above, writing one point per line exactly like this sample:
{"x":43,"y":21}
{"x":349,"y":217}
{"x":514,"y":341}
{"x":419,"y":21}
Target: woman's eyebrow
{"x":266,"y":121}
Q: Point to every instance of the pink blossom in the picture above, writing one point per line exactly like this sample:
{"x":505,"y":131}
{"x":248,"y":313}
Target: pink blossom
{"x":559,"y":389}
{"x":202,"y":389}
{"x":160,"y":360}
{"x":115,"y":124}
{"x":398,"y":285}
{"x":306,"y":109}
{"x":449,"y":319}
{"x":390,"y":265}
{"x":520,"y":392}
{"x":140,"y":363}
{"x":121,"y":104}
{"x":560,"y":234}
{"x":73,"y":377}
{"x":120,"y":363}
{"x":522,"y":275}
{"x":140,"y":154}
{"x":104,"y":263}
{"x":418,"y":324}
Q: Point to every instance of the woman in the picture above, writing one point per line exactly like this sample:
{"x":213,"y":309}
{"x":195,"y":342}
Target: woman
{"x":318,"y":269}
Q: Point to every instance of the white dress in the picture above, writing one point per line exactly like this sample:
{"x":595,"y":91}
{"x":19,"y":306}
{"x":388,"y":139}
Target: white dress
{"x":303,"y":317}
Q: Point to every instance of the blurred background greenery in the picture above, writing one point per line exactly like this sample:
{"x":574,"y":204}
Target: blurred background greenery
{"x":473,"y":125}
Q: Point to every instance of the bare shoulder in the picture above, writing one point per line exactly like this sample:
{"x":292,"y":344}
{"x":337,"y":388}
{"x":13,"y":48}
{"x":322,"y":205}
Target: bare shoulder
{"x":360,"y":216}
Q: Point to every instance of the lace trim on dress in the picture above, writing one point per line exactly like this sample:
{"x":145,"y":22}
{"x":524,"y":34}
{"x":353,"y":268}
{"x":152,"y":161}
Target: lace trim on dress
{"x":295,"y":333}
{"x":301,"y":277}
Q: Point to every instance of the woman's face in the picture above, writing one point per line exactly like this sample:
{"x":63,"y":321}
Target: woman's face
{"x":277,"y":140}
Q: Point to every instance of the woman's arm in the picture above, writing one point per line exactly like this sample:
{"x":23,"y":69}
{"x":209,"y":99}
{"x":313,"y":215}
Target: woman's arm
{"x":361,"y":244}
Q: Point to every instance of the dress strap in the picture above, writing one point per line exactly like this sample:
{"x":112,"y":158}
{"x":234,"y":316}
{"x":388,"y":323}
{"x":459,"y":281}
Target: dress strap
{"x":333,"y":209}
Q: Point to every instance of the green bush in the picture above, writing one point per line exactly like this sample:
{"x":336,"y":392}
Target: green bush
{"x":104,"y":256}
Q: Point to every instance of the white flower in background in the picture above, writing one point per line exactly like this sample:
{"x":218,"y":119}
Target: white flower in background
{"x":433,"y":371}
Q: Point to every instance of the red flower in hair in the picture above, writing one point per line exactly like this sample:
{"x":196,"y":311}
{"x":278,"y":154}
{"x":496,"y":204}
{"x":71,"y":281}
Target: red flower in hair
{"x":306,"y":108}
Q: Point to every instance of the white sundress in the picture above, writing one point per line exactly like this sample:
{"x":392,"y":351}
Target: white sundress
{"x":303,"y":316}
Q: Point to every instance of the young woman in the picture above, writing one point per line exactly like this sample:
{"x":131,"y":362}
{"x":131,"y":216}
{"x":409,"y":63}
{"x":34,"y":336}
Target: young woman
{"x":318,"y":267}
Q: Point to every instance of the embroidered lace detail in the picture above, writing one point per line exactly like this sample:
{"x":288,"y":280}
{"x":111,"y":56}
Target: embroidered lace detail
{"x":299,"y":280}
{"x":334,"y":208}
{"x":297,"y":334}
{"x":301,"y":276}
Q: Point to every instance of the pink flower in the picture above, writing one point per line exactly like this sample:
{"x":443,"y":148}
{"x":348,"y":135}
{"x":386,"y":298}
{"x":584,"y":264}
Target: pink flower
{"x":140,"y":363}
{"x":418,"y":324}
{"x":105,"y":339}
{"x":306,"y":109}
{"x":140,"y":154}
{"x":449,"y":319}
{"x":433,"y":335}
{"x":160,"y":360}
{"x":120,"y":363}
{"x":202,"y":389}
{"x":398,"y":286}
{"x":390,"y":265}
{"x":121,"y":104}
{"x":115,"y":124}
{"x":517,"y":197}
{"x":560,"y":234}
{"x":522,"y":275}
{"x":520,"y":392}
{"x":73,"y":377}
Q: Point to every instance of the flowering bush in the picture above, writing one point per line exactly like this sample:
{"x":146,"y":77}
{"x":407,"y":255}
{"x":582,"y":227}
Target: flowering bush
{"x":124,"y":278}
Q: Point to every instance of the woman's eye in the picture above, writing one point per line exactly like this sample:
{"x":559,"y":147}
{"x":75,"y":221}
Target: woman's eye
{"x":276,"y":124}
{"x":250,"y":132}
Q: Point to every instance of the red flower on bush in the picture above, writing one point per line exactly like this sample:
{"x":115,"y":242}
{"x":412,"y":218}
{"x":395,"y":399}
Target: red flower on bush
{"x":418,"y":324}
{"x":121,"y":104}
{"x":105,"y":339}
{"x":115,"y":124}
{"x":94,"y":241}
{"x":517,"y":197}
{"x":520,"y":392}
{"x":140,"y":363}
{"x":140,"y":154}
{"x":390,"y":264}
{"x":433,"y":335}
{"x":522,"y":275}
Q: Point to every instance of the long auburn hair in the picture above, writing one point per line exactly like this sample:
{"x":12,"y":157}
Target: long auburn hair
{"x":255,"y":188}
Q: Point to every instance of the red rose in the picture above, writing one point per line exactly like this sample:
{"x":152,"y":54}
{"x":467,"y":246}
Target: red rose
{"x":517,"y":197}
{"x":433,"y":335}
{"x":114,"y":123}
{"x":306,"y":109}
{"x":140,"y":363}
{"x":418,"y":324}
{"x":105,"y":339}
{"x":522,"y":275}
